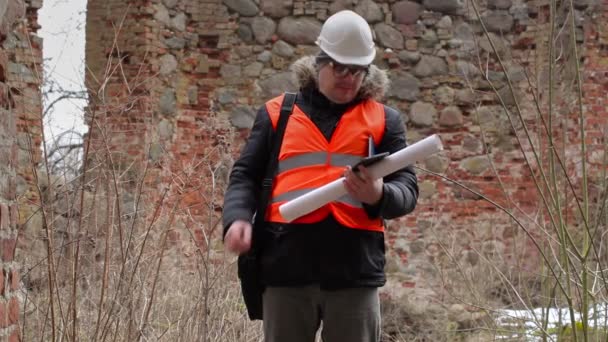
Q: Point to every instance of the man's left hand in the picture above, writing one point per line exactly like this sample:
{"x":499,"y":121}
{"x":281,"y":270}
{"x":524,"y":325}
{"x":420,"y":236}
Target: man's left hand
{"x":361,"y":186}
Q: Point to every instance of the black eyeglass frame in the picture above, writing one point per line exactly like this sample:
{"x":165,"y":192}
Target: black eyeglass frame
{"x":341,"y":70}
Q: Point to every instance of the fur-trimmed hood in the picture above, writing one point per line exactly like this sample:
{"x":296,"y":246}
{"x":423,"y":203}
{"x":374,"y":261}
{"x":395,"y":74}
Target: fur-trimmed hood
{"x":374,"y":86}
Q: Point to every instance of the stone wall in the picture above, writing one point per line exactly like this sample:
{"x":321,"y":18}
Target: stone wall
{"x":193,"y":73}
{"x":20,"y":137}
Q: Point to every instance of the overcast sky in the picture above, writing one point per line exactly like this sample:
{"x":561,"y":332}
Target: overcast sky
{"x":62,"y":29}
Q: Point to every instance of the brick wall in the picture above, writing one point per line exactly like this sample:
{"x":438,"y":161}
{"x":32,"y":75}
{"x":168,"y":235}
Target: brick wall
{"x":20,"y":137}
{"x":155,"y":115}
{"x":595,"y":85}
{"x":193,"y":75}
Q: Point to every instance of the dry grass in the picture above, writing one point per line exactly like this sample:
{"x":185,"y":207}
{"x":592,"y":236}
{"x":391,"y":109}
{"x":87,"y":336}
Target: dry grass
{"x":120,"y":269}
{"x":183,"y":309}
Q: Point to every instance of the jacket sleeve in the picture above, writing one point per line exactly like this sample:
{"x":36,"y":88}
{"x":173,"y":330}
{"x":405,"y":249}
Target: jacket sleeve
{"x":244,"y":184}
{"x":400,"y":192}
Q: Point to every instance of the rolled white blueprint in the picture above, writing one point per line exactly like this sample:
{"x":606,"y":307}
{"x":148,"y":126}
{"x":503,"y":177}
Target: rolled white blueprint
{"x":318,"y":197}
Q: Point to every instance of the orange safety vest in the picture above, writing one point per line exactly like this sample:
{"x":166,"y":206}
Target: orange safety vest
{"x":308,"y":161}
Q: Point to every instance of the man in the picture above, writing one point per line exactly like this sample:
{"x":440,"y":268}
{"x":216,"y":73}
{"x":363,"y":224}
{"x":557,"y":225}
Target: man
{"x":327,"y":265}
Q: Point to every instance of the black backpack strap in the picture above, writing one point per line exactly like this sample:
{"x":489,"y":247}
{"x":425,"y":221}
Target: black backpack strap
{"x":286,"y":108}
{"x":249,"y":273}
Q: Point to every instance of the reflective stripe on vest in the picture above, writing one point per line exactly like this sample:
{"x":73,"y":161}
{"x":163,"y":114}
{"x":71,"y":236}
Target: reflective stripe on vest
{"x":317,"y":158}
{"x":308,"y":161}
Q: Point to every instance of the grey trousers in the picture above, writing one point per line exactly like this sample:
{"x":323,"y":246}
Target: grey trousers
{"x":294,"y":314}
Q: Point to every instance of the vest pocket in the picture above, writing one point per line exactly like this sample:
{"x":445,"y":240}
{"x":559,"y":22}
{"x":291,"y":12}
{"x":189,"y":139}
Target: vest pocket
{"x":276,"y":229}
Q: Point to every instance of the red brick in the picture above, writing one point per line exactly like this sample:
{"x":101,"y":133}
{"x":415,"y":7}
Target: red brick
{"x":7,"y":249}
{"x":4,"y":216}
{"x":14,"y":215}
{"x":14,"y":336}
{"x":14,"y":278}
{"x":1,"y":282}
{"x":13,"y":311}
{"x":3,"y":314}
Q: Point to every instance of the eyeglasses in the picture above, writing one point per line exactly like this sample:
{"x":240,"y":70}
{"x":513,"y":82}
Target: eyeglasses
{"x":341,"y":70}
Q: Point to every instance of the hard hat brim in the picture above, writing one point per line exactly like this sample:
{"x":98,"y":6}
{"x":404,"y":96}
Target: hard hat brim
{"x":362,"y":61}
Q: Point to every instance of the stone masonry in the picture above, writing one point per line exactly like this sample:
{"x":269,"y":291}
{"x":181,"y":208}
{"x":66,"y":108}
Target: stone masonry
{"x":20,"y":138}
{"x":175,"y":83}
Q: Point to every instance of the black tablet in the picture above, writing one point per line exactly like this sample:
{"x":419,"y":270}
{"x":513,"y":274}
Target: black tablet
{"x":370,"y":160}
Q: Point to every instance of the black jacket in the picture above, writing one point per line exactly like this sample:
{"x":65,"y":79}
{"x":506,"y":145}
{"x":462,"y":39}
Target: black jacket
{"x":326,"y":253}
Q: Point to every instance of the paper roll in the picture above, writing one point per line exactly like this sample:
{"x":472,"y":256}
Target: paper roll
{"x":319,"y":197}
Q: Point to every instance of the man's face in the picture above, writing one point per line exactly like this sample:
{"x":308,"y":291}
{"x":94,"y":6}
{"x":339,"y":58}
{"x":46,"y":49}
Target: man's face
{"x":340,"y":83}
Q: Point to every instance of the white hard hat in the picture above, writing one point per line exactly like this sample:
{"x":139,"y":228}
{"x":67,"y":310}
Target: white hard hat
{"x":347,"y":38}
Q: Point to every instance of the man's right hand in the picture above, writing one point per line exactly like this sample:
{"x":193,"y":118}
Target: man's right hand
{"x":238,"y":237}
